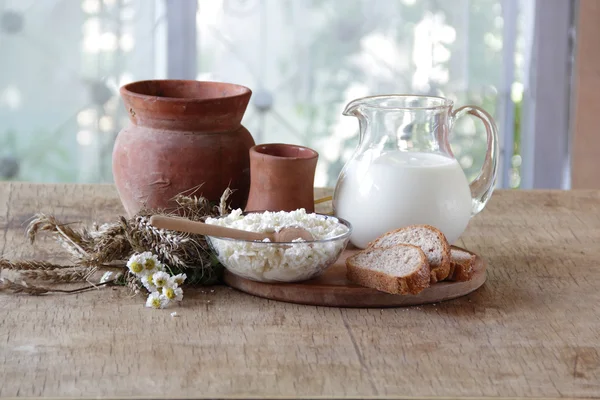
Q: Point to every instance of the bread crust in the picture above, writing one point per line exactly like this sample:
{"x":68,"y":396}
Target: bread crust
{"x":462,"y":270}
{"x":412,"y":284}
{"x":438,"y":272}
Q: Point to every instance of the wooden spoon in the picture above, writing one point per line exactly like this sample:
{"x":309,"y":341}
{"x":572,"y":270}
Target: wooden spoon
{"x":185,"y":225}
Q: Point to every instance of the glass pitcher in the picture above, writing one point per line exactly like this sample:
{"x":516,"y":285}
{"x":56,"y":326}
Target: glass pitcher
{"x":404,"y":172}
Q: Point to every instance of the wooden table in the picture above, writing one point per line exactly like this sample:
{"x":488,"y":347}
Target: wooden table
{"x":533,"y":330}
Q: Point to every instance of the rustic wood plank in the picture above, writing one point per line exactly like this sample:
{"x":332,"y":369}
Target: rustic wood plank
{"x":533,"y":330}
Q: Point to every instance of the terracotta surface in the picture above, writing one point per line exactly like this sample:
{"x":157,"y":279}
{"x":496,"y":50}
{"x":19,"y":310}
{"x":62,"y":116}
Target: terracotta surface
{"x":183,"y":134}
{"x":334,"y":290}
{"x":282,"y":177}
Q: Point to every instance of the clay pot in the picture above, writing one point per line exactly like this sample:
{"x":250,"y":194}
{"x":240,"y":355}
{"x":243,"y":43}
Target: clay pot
{"x":281,"y":177}
{"x":183,"y":134}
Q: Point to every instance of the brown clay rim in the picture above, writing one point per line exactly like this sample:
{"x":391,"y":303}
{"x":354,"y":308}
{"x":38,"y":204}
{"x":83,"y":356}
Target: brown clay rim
{"x":285,"y":151}
{"x":175,"y":90}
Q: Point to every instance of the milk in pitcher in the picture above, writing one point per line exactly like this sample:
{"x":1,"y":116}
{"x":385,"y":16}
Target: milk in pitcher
{"x":382,"y":192}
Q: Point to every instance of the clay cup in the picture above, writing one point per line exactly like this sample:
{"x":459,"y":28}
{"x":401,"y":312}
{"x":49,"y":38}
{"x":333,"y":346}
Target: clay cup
{"x":281,"y":177}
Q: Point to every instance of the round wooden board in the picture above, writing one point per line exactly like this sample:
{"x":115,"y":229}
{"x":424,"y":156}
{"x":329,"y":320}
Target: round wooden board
{"x":334,"y":290}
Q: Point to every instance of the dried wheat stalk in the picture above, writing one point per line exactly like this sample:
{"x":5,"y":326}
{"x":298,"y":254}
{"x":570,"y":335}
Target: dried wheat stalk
{"x":107,"y":246}
{"x":24,"y":265}
{"x":223,"y":208}
{"x":14,"y":287}
{"x":8,"y":285}
{"x":64,"y":275}
{"x":75,"y":241}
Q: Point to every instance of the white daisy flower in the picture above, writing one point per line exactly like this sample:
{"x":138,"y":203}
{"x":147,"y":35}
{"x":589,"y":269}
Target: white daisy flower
{"x":156,"y":300}
{"x":173,"y":293}
{"x":148,"y":282}
{"x":136,"y":264}
{"x":160,"y":279}
{"x":177,"y":280}
{"x":151,"y":263}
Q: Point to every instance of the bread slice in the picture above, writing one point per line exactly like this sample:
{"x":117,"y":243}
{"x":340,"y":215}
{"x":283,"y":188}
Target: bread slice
{"x":429,"y":239}
{"x":462,"y":266}
{"x":401,"y":269}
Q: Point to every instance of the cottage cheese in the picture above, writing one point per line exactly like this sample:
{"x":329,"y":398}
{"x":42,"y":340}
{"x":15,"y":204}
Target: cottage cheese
{"x":277,"y":261}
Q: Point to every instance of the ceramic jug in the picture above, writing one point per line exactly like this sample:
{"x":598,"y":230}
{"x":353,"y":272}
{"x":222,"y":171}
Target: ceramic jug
{"x":184,"y":137}
{"x":404,"y":172}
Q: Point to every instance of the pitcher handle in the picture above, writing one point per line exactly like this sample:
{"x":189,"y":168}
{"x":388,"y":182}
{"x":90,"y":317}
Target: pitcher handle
{"x":483,"y":185}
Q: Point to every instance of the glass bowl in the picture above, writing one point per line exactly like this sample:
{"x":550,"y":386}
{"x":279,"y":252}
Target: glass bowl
{"x":280,"y":261}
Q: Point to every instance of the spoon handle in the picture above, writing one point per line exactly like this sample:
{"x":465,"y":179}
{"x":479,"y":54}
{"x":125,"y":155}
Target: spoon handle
{"x":185,"y":225}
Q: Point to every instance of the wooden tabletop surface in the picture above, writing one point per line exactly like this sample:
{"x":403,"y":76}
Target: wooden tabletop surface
{"x":533,"y":330}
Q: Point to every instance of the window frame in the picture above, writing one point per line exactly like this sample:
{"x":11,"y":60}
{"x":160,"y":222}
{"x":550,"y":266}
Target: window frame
{"x":181,"y":39}
{"x":547,"y":95}
{"x":548,"y":64}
